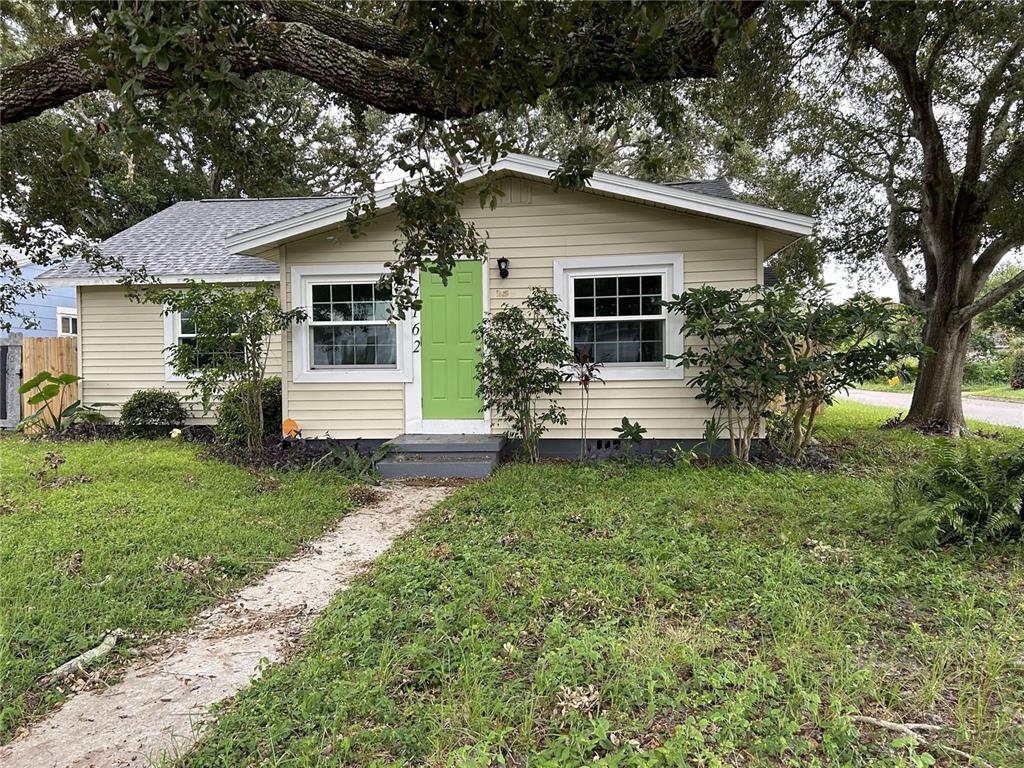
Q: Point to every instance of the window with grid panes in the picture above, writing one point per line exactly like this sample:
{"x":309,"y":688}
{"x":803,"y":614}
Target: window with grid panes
{"x":349,"y":326}
{"x":618,"y":319}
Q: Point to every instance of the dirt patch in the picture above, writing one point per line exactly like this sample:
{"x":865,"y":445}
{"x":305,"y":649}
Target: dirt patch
{"x":163,"y":700}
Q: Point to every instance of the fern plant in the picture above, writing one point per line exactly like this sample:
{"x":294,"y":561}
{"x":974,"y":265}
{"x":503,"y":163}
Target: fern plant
{"x":967,"y":491}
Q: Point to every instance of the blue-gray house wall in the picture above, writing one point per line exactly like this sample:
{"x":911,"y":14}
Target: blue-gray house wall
{"x":42,"y":307}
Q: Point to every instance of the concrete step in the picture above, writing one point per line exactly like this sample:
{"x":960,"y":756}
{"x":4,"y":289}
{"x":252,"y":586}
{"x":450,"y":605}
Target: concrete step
{"x":448,"y":443}
{"x":468,"y":456}
{"x":394,"y":468}
{"x":419,"y":456}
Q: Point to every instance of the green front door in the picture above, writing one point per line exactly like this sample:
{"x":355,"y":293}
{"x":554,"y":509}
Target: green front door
{"x":448,"y":348}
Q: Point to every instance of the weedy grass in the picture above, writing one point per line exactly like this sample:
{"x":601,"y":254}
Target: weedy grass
{"x":561,"y":615}
{"x":134,"y":535}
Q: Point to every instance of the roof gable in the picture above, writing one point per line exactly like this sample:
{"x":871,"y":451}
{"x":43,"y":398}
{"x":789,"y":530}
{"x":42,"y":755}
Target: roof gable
{"x":719,"y":203}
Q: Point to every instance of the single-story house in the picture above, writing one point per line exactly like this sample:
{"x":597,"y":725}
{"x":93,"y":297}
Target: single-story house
{"x":609,"y":252}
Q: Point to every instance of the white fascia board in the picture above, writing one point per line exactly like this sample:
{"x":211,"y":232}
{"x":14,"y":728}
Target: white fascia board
{"x":540,"y":169}
{"x":234,"y":277}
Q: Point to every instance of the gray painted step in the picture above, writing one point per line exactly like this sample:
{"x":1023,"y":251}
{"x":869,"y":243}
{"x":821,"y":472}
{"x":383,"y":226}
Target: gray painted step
{"x":448,"y":443}
{"x":464,"y":468}
{"x":468,"y":456}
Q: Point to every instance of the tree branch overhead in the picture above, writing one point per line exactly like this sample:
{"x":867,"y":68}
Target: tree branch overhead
{"x":373,"y":62}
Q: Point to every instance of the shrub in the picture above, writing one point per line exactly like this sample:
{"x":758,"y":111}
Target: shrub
{"x":763,"y":346}
{"x":986,"y":371}
{"x":1017,"y":371}
{"x":231,"y":346}
{"x":966,"y":491}
{"x":232,"y":416}
{"x":523,"y":350}
{"x":152,"y":413}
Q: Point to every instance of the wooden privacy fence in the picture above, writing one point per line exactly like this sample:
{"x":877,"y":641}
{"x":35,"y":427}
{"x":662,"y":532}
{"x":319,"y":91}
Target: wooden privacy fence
{"x":56,"y":354}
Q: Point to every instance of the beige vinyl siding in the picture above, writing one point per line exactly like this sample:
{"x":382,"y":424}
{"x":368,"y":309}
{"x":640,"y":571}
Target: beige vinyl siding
{"x":561,"y":225}
{"x":570,"y":224}
{"x":342,"y":409}
{"x":532,"y":226}
{"x":122,"y":343}
{"x":775,"y":241}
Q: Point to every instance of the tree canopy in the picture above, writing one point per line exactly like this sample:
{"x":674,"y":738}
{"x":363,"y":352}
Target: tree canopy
{"x":265,"y":97}
{"x":897,"y":123}
{"x":901,"y":123}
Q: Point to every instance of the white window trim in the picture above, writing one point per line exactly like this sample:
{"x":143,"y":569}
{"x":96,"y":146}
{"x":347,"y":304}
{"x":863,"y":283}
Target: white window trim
{"x":302,"y":277}
{"x":63,"y":312}
{"x":172,"y":324}
{"x":172,"y":332}
{"x":668,"y":265}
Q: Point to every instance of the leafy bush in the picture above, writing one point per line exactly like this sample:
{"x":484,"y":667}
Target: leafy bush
{"x":523,"y":350}
{"x":966,"y":491}
{"x":152,"y":413}
{"x":231,"y":346}
{"x":233,"y":415}
{"x":631,"y":431}
{"x":49,"y":392}
{"x":991,"y":370}
{"x":1017,"y":371}
{"x":762,"y":346}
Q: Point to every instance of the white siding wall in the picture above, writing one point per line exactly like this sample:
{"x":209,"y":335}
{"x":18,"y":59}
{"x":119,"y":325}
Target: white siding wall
{"x":531,"y":227}
{"x":342,"y":409}
{"x":121,"y":345}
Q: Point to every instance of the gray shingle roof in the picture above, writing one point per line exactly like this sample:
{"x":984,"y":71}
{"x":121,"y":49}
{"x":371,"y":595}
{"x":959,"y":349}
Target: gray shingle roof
{"x":712,"y":187}
{"x":188,"y":237}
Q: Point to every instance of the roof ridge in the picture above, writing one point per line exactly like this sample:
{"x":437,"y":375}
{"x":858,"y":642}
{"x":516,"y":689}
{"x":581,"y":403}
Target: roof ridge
{"x":266,"y":199}
{"x":699,"y":181}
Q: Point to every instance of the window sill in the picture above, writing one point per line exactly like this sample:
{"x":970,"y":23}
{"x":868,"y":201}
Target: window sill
{"x":640,"y":372}
{"x":367,"y":375}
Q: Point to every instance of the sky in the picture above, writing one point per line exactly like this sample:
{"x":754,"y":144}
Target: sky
{"x":844,"y":283}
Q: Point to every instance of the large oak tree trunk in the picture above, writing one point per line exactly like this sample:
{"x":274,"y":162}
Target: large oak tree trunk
{"x":937,"y":394}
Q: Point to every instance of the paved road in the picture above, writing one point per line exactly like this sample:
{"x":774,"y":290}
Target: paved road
{"x":991,"y":411}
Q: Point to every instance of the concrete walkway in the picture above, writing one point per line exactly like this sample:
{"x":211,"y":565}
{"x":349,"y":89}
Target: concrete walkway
{"x":1000,"y":412}
{"x":157,"y":709}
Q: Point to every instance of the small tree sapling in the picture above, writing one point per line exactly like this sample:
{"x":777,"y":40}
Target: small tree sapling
{"x":584,"y":372}
{"x":523,"y":350}
{"x":233,"y":329}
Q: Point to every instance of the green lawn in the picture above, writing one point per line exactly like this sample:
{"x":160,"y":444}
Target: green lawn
{"x":980,"y":390}
{"x":1005,"y":392}
{"x":79,"y":559}
{"x":561,"y":615}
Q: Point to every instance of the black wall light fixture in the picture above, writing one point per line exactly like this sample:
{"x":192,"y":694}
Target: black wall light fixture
{"x":503,"y":267}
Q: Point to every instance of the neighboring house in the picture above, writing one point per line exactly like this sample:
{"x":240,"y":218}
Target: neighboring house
{"x":52,"y":312}
{"x":609,"y":252}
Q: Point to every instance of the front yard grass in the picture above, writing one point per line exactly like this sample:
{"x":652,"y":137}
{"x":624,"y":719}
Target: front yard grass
{"x":562,"y":615}
{"x":1001,"y":391}
{"x":132,"y":535}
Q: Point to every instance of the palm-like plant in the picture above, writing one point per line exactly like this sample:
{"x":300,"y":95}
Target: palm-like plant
{"x":584,"y":372}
